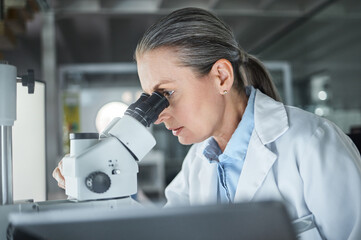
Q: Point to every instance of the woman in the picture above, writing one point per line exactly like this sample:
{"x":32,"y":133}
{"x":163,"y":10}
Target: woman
{"x":248,"y":146}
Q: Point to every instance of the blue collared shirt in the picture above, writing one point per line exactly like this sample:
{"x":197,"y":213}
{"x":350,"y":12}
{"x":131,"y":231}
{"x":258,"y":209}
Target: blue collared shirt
{"x":230,"y":162}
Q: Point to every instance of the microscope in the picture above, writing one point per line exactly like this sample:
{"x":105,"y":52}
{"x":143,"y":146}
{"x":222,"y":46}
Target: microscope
{"x":104,"y":166}
{"x":99,"y":166}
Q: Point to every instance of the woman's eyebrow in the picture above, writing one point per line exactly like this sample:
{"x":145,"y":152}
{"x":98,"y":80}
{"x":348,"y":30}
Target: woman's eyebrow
{"x":156,"y":87}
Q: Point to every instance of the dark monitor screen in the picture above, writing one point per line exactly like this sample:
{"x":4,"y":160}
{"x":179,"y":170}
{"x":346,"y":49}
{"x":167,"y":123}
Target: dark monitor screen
{"x":356,"y":138}
{"x":262,"y":220}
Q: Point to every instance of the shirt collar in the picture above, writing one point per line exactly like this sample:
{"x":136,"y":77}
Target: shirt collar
{"x":211,"y":149}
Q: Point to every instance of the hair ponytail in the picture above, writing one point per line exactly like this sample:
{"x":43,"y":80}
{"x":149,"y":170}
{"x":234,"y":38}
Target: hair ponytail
{"x":254,"y":73}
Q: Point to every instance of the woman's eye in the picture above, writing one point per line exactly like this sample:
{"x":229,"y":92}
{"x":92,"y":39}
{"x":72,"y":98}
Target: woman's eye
{"x":168,"y":93}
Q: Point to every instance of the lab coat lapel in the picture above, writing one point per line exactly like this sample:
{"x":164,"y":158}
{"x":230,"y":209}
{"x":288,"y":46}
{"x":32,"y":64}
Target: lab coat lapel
{"x":270,"y":122}
{"x":208,"y":178}
{"x":255,"y":169}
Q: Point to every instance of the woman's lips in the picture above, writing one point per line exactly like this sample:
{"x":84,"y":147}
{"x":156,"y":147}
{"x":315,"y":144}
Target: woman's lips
{"x":177,"y":131}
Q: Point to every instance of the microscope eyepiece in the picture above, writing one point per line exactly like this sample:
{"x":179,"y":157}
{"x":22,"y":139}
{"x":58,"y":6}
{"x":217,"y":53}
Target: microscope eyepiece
{"x":130,"y":109}
{"x":147,"y":108}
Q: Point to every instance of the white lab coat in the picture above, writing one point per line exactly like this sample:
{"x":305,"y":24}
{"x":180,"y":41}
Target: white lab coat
{"x":293,"y":156}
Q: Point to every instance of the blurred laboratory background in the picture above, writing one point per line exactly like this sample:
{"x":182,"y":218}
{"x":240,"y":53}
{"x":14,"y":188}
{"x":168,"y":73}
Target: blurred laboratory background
{"x":82,"y":54}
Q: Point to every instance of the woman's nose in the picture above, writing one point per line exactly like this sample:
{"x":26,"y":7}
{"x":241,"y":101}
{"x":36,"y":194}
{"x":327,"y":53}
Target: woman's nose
{"x":158,"y":121}
{"x":161,"y":118}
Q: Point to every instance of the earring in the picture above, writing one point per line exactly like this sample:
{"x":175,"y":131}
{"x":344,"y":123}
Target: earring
{"x":224,"y":92}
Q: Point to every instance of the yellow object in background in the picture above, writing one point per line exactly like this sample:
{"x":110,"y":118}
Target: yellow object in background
{"x":71,"y":119}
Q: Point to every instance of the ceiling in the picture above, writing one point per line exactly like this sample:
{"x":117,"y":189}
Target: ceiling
{"x":301,"y":31}
{"x":108,"y":30}
{"x":312,"y":35}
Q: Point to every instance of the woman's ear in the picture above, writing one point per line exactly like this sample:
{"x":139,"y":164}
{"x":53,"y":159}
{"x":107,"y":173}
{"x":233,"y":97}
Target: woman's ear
{"x":222,"y":73}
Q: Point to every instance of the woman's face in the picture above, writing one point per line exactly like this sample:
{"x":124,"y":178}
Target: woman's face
{"x":196,"y":106}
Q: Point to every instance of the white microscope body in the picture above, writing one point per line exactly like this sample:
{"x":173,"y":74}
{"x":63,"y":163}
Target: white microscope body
{"x":106,"y":167}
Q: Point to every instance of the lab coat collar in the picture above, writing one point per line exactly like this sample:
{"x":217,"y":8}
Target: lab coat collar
{"x":270,"y":118}
{"x":259,"y":160}
{"x":271,"y":122}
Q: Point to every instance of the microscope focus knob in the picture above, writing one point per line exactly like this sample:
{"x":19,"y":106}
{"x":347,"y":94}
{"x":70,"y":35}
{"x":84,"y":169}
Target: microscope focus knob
{"x":97,"y":182}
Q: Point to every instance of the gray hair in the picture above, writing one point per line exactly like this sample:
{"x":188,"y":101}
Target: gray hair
{"x":201,"y":39}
